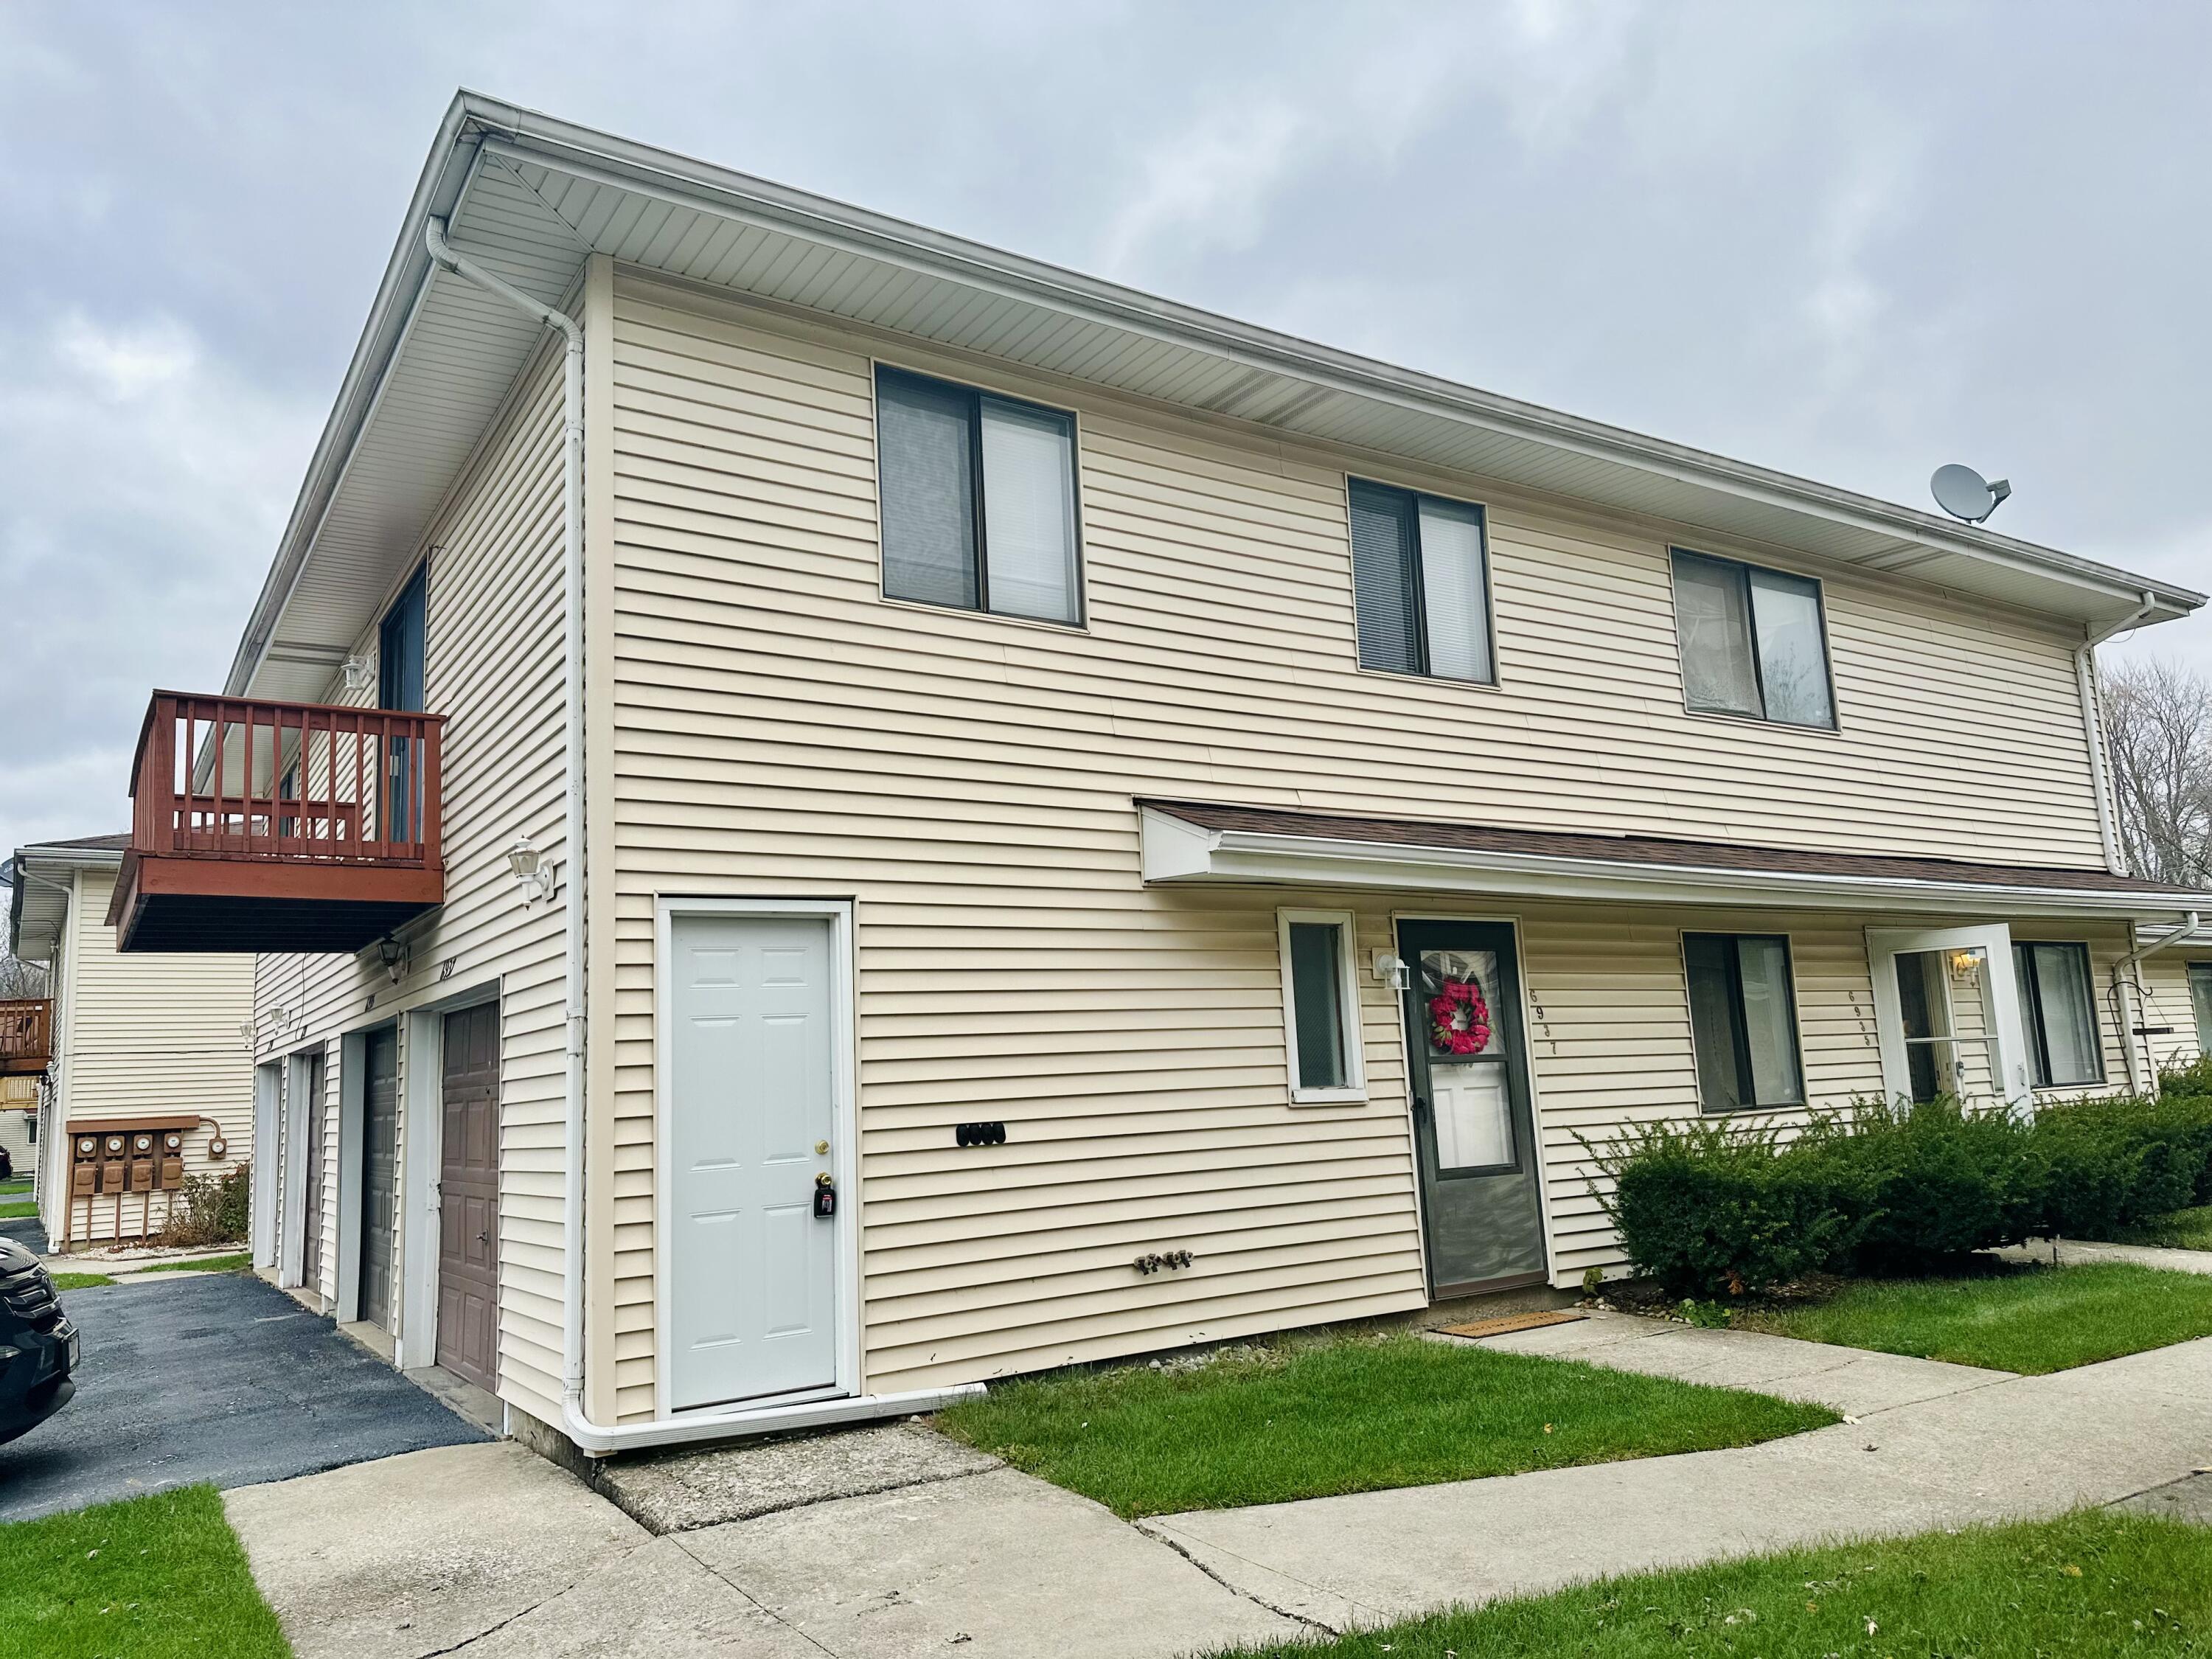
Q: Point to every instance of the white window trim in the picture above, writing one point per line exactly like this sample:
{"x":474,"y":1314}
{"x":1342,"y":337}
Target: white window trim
{"x":1354,"y":1091}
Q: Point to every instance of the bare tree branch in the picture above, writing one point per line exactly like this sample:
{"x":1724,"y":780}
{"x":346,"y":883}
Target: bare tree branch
{"x":2158,"y":726}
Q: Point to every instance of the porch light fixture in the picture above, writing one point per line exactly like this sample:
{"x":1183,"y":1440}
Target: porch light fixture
{"x":393,"y":955}
{"x":1390,"y":970}
{"x":356,"y":670}
{"x":533,"y":872}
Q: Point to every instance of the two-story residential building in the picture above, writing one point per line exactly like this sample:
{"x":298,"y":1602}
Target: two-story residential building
{"x":140,"y":1071}
{"x":831,"y":813}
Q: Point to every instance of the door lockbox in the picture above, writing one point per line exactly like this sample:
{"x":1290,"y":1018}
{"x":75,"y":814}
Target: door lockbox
{"x":826,"y":1195}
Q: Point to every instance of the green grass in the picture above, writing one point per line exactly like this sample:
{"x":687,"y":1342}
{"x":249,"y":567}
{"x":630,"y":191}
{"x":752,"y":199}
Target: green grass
{"x":2034,"y":1320}
{"x":2184,"y":1229}
{"x":81,"y":1281}
{"x":154,"y":1578}
{"x":1304,"y":1420}
{"x":2094,"y":1583}
{"x":13,"y":1208}
{"x":213,"y":1264}
{"x":19,"y":1184}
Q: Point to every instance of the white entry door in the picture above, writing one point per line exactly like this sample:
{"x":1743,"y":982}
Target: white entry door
{"x":752,"y":1123}
{"x":1946,"y":1015}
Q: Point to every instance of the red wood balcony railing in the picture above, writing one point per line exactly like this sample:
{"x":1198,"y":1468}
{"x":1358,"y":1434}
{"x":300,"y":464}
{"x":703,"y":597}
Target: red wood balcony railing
{"x":278,"y":826}
{"x":27,"y":1035}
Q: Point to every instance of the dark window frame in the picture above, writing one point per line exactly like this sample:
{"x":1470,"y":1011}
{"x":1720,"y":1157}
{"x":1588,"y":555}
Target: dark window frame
{"x":2038,"y":1035}
{"x":1740,"y":1024}
{"x":1743,"y":569}
{"x":2192,"y":971}
{"x":979,"y":552}
{"x":1407,"y":503}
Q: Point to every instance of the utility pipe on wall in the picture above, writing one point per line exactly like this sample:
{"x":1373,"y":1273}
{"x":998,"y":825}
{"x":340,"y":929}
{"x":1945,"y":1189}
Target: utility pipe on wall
{"x":2130,"y":1007}
{"x":2092,"y":728}
{"x":598,"y":1439}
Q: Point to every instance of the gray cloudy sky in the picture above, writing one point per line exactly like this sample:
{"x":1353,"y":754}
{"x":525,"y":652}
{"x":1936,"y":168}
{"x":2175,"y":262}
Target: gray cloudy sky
{"x":1850,"y":240}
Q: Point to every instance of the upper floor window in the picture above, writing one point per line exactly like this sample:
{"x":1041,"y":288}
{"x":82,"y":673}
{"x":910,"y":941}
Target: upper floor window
{"x":978,"y":496}
{"x":2058,"y":1013}
{"x":1753,"y":642}
{"x":1420,"y":580}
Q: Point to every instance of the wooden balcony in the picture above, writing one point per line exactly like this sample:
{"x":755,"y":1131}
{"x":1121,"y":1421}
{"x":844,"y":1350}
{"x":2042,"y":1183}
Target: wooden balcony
{"x":27,"y":1035}
{"x":278,"y":826}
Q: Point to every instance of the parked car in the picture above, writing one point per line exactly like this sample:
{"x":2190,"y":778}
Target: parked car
{"x":37,"y":1344}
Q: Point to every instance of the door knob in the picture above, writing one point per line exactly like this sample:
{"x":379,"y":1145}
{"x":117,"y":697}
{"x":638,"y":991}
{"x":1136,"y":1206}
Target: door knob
{"x":484,"y":1238}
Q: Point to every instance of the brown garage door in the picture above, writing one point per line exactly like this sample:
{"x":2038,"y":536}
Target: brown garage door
{"x":468,"y":1198}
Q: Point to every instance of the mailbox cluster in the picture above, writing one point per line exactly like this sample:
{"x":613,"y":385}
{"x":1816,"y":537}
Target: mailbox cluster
{"x":113,"y":1161}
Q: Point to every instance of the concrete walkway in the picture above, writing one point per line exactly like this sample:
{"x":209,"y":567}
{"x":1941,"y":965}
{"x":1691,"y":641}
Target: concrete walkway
{"x":1929,"y":1445}
{"x":2074,"y":1252}
{"x":891,"y":1541}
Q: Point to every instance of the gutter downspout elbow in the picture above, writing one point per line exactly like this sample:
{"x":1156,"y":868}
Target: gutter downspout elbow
{"x":574,"y":1421}
{"x":2092,"y":729}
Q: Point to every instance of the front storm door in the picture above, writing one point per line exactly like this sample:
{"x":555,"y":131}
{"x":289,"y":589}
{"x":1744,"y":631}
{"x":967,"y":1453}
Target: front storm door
{"x":379,"y":1173}
{"x":1472,"y":1120}
{"x":752,"y":1291}
{"x":468,"y":1197}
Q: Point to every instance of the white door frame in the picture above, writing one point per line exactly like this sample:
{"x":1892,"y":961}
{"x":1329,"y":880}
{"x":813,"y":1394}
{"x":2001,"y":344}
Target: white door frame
{"x":268,"y":1176}
{"x":2000,"y":1006}
{"x":843,"y":1104}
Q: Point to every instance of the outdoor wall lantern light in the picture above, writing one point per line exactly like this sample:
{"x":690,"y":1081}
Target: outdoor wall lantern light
{"x":533,"y":872}
{"x":393,"y":955}
{"x":356,"y":672}
{"x":1390,"y":970}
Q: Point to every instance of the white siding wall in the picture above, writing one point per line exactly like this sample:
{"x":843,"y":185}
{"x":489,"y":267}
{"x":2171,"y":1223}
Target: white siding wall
{"x":147,"y":1035}
{"x":781,"y":729}
{"x":493,"y":664}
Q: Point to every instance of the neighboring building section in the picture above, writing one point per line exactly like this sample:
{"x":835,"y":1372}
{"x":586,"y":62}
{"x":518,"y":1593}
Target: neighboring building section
{"x":149,"y":1082}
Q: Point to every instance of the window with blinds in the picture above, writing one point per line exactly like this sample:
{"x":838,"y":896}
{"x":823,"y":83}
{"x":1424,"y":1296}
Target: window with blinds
{"x":2058,"y":1013}
{"x":1753,"y":641}
{"x":978,"y":495}
{"x":1420,"y":577}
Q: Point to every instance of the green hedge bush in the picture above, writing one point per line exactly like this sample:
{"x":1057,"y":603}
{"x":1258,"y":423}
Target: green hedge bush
{"x":1719,"y":1206}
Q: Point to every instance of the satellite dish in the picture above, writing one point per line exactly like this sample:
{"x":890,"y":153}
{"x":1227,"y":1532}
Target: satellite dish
{"x":1960,"y":492}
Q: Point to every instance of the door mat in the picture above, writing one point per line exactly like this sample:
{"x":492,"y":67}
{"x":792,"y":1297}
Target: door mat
{"x":1521,"y":1321}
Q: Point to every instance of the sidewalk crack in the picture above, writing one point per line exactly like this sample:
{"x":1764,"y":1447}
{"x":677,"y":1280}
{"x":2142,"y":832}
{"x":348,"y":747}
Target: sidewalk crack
{"x":716,"y":1573}
{"x":1258,"y":1601}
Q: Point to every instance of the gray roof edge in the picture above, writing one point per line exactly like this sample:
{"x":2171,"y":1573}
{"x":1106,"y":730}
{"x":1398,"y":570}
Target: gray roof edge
{"x":472,"y":115}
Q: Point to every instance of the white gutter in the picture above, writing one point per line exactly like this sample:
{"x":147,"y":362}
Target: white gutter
{"x":2092,"y":728}
{"x":2125,"y":979}
{"x":599,"y":1438}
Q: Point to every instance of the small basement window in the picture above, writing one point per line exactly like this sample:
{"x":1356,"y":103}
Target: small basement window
{"x":1753,"y":641}
{"x":978,"y":495}
{"x":1420,"y":578}
{"x":1321,"y":1007}
{"x":1743,"y":1021}
{"x":2058,"y":1013}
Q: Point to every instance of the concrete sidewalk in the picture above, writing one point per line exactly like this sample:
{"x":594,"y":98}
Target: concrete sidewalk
{"x":2074,"y":1252}
{"x":1931,"y":1445}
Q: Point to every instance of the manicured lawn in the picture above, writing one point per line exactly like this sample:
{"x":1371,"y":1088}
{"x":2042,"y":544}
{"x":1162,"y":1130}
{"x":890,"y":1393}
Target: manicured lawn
{"x":2094,"y":1583}
{"x":2034,"y":1320}
{"x":1303,"y":1420}
{"x":154,"y":1578}
{"x":12,"y":1188}
{"x":212,"y":1264}
{"x":81,"y":1281}
{"x":2184,"y":1229}
{"x":11,"y":1208}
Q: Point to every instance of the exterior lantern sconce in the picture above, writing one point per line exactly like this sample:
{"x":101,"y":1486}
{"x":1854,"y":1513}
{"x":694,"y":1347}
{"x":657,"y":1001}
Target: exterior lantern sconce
{"x":1390,"y":970}
{"x":533,"y":872}
{"x":393,"y":955}
{"x":356,"y":671}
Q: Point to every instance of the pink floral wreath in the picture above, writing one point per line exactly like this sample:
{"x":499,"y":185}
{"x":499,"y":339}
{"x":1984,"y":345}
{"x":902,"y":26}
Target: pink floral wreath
{"x":1459,"y":1018}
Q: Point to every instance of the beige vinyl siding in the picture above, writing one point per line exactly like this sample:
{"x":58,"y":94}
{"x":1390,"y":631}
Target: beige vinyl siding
{"x":493,"y":664}
{"x":150,"y":1036}
{"x":781,"y":729}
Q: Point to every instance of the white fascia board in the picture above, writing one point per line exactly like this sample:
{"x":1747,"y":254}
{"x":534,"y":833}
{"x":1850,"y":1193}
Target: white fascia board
{"x":1197,"y":855}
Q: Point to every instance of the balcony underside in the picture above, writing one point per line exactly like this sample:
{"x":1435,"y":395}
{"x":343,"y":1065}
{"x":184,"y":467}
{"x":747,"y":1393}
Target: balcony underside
{"x":23,"y":1065}
{"x":221,"y":904}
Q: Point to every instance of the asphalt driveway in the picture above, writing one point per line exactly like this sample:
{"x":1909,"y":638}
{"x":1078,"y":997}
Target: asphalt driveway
{"x":216,"y":1377}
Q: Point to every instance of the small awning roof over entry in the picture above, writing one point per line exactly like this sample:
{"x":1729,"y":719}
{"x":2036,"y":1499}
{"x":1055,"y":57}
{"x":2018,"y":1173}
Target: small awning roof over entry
{"x":1186,"y":842}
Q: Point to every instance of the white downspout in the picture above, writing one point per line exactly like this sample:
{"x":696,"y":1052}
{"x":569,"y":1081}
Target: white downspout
{"x":2092,"y":728}
{"x":2130,"y":1007}
{"x":575,"y":1423}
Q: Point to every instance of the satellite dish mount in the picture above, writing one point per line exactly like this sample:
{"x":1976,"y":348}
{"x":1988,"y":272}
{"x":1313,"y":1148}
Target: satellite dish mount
{"x":1962,"y":492}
